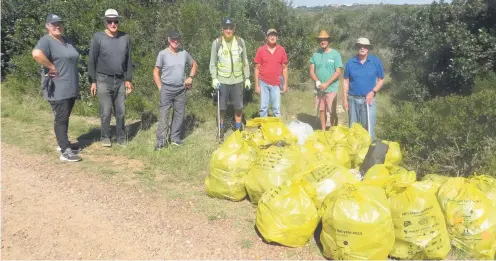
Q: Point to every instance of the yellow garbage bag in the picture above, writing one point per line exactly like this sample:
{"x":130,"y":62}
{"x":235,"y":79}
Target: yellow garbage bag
{"x":402,"y":178}
{"x":486,"y":184}
{"x":228,"y":167}
{"x":340,"y":155}
{"x":313,"y":156}
{"x":272,"y":166}
{"x":287,"y":214}
{"x":358,"y":138}
{"x":432,"y":182}
{"x":338,"y":135}
{"x":470,"y":218}
{"x":356,"y":223}
{"x":358,"y":158}
{"x":254,"y":137}
{"x":378,"y":171}
{"x":273,"y":129}
{"x":419,"y":225}
{"x":328,"y":178}
{"x":393,"y":155}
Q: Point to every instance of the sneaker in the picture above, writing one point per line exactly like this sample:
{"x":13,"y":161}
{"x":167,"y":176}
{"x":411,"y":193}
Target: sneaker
{"x":178,"y":143}
{"x":68,"y":155}
{"x":106,"y":142}
{"x":75,"y":149}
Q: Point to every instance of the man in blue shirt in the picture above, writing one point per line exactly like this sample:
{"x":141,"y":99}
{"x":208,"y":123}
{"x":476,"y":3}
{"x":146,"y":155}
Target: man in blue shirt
{"x":363,"y":78}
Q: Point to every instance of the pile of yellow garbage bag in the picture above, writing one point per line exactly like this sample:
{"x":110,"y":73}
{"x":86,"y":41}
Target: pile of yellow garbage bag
{"x":298,"y":182}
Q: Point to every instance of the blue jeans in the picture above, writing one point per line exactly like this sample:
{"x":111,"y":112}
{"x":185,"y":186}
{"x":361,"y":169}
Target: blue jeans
{"x":358,"y":113}
{"x":269,"y":94}
{"x":111,"y":97}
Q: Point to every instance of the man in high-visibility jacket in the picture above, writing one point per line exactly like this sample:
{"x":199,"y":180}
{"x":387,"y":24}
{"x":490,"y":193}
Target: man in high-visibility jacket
{"x":229,"y":68}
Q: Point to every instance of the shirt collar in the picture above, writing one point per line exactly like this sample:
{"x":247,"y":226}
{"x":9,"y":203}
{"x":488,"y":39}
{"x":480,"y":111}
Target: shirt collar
{"x":357,"y":60}
{"x":266,"y":46}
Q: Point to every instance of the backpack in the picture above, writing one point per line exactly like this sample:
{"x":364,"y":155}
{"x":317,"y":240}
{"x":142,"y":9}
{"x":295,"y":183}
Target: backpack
{"x":219,"y":43}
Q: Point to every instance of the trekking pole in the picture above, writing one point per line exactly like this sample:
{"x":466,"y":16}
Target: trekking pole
{"x":218,"y":112}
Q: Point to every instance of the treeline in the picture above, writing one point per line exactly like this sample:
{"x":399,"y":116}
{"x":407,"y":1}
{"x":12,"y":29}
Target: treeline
{"x":430,"y":52}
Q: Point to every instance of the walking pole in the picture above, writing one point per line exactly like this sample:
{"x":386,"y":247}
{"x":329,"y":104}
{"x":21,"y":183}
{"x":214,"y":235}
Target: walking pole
{"x":218,"y":113}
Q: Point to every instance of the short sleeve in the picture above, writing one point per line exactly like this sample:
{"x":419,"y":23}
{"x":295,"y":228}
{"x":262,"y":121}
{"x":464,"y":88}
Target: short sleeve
{"x":189,"y":59}
{"x":379,"y":68}
{"x":337,"y":61}
{"x":44,"y":45}
{"x":312,"y":60}
{"x":284,"y":58}
{"x":347,"y":70}
{"x":159,"y":61}
{"x":258,"y":56}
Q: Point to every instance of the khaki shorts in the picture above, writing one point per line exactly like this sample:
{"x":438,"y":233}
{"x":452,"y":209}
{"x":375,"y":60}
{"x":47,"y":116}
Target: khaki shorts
{"x":326,"y":101}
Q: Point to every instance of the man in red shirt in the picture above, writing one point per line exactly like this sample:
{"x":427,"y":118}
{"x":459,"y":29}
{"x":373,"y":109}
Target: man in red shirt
{"x":270,"y":62}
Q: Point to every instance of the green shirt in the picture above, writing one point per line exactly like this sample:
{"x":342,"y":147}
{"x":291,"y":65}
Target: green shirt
{"x":325,"y":66}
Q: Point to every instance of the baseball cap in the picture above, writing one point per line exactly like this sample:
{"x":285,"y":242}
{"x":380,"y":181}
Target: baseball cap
{"x":53,"y":18}
{"x":227,"y":21}
{"x":272,"y":31}
{"x":172,"y":34}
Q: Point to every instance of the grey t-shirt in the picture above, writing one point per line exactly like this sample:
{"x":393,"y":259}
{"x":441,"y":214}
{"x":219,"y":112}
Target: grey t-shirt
{"x":173,"y":67}
{"x":65,"y":58}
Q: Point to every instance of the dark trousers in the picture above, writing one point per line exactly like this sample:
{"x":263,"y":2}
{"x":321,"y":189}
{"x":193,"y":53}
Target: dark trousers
{"x":111,"y":95}
{"x":175,"y":98}
{"x":62,"y":110}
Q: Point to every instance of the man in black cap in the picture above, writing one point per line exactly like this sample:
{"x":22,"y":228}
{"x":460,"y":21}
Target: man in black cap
{"x":169,"y":75}
{"x":110,"y":75}
{"x":229,"y":67}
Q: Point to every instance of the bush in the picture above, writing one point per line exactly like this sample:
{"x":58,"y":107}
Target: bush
{"x":453,"y":135}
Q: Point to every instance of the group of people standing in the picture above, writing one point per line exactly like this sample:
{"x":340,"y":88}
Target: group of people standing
{"x":110,"y":76}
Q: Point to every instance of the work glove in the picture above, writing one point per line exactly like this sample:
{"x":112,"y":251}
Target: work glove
{"x":215,"y":84}
{"x":317,"y":88}
{"x":247,"y":84}
{"x":317,"y":84}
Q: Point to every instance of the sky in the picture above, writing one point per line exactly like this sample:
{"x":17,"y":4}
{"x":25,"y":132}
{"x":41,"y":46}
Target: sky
{"x":330,"y":2}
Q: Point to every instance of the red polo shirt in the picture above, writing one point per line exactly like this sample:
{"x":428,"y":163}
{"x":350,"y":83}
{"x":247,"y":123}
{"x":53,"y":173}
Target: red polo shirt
{"x":271,"y":64}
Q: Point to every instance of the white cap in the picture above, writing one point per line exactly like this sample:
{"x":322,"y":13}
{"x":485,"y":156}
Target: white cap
{"x":111,"y":13}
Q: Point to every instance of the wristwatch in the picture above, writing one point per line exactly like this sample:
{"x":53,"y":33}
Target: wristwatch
{"x":191,"y":76}
{"x":374,"y":92}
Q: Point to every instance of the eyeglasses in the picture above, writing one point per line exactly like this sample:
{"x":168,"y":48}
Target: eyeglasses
{"x":112,"y":21}
{"x":229,"y":27}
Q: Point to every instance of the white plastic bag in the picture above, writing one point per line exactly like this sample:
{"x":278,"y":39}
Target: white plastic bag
{"x":301,"y":130}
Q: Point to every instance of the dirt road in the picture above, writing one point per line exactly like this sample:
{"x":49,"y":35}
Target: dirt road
{"x":53,"y":210}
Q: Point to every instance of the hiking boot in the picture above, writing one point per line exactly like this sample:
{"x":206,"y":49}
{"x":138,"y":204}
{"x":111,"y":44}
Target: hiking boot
{"x":106,"y":142}
{"x":178,"y":143}
{"x":122,"y":143}
{"x":68,"y":155}
{"x":159,"y":147}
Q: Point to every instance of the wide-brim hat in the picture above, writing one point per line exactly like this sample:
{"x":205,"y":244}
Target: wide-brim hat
{"x":364,"y":41}
{"x":111,"y":13}
{"x":324,"y":35}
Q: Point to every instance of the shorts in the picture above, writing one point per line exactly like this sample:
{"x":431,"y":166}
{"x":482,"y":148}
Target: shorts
{"x":233,"y":93}
{"x":326,"y":101}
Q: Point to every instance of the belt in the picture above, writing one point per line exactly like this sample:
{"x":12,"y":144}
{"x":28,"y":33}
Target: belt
{"x":115,"y":76}
{"x":357,"y":96}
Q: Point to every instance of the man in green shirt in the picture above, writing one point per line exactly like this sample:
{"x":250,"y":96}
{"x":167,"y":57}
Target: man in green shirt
{"x":325,"y":69}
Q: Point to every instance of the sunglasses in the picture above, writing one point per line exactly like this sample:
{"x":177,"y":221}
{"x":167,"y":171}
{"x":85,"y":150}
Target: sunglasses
{"x":228,"y":27}
{"x":360,"y":46}
{"x":112,"y":21}
{"x":55,"y":24}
